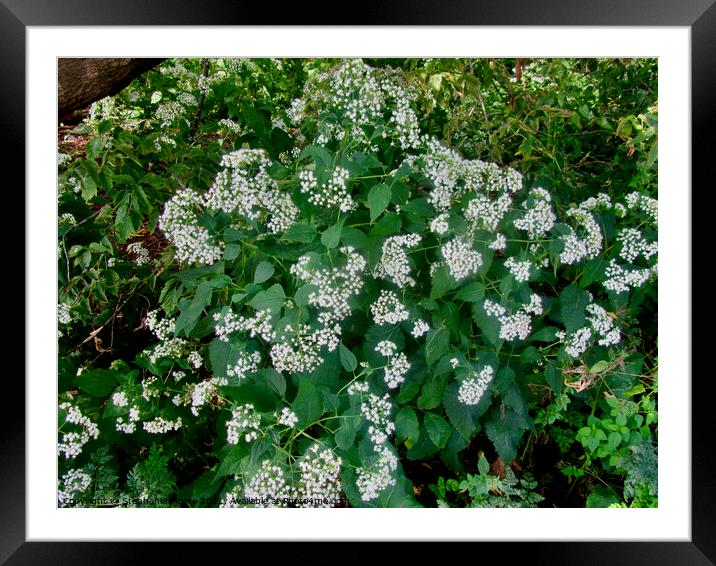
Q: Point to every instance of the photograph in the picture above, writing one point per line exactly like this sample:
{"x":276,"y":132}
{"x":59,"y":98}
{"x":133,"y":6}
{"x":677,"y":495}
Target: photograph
{"x":357,"y":282}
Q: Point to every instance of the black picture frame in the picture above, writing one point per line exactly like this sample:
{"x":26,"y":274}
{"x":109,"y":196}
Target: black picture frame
{"x":698,"y":15}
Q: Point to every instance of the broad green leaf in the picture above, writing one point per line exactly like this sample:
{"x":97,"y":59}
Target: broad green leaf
{"x":302,"y":294}
{"x":545,"y":334}
{"x":460,"y":415}
{"x":264,"y":271}
{"x":97,"y":382}
{"x":438,"y":429}
{"x":505,"y":429}
{"x":554,"y":378}
{"x":272,"y":298}
{"x":573,"y":301}
{"x":407,"y":427}
{"x":348,"y":359}
{"x":307,"y":405}
{"x":436,"y":344}
{"x":301,"y":232}
{"x":275,"y":379}
{"x":332,"y":236}
{"x":442,"y":282}
{"x":188,"y":318}
{"x":378,"y":200}
{"x":483,"y":465}
{"x":346,"y":434}
{"x":471,"y":292}
{"x":488,"y":325}
{"x":599,"y":367}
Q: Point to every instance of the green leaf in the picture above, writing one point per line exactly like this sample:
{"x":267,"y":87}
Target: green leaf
{"x":432,"y":393}
{"x":483,"y":465}
{"x":264,"y":271}
{"x":505,"y":429}
{"x":460,"y":415}
{"x":346,"y":434}
{"x":388,"y":225}
{"x":307,"y":405}
{"x":97,"y":382}
{"x":438,"y":429}
{"x":437,"y":344}
{"x":442,"y":282}
{"x":332,"y":236}
{"x":554,"y":378}
{"x":302,"y":232}
{"x":488,"y":325}
{"x":407,"y":427}
{"x":275,"y":379}
{"x":573,"y":301}
{"x":302,"y":294}
{"x":378,"y":200}
{"x":348,"y":359}
{"x":545,"y":334}
{"x":272,"y":298}
{"x":190,"y":316}
{"x":470,"y":293}
{"x":599,"y":367}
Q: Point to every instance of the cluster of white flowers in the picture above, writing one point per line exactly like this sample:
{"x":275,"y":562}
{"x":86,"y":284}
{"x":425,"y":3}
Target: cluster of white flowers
{"x":296,"y":111}
{"x":288,"y":418}
{"x":634,"y":245}
{"x":195,"y":359}
{"x":119,"y":399}
{"x":420,"y":327}
{"x":259,"y":325}
{"x":439,"y":224}
{"x":386,"y":348}
{"x":160,"y":425}
{"x":63,"y":313}
{"x":67,"y":218}
{"x":519,"y":269}
{"x":301,"y":352}
{"x":460,"y":258}
{"x":471,"y":390}
{"x":172,"y":348}
{"x":335,"y":284}
{"x":319,"y":483}
{"x":516,"y":326}
{"x":644,"y":203}
{"x":538,"y":218}
{"x":201,"y":394}
{"x":72,"y":442}
{"x":394,"y":264}
{"x":578,"y":342}
{"x":129,"y":426}
{"x":388,"y":309}
{"x":245,"y":364}
{"x":162,"y":328}
{"x":487,"y":213}
{"x":244,"y":420}
{"x":179,"y":223}
{"x":358,"y":388}
{"x":376,"y":411}
{"x":268,"y":488}
{"x":371,"y":482}
{"x":589,"y":246}
{"x":140,"y":252}
{"x":245,"y":187}
{"x":620,"y":279}
{"x":499,"y":243}
{"x":331,"y":194}
{"x":603,"y":325}
{"x":72,"y":484}
{"x":452,"y":176}
{"x":151,"y":387}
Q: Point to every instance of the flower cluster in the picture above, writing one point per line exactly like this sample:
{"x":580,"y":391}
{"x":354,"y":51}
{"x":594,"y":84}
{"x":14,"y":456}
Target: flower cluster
{"x":388,"y":309}
{"x":394,"y":264}
{"x":244,"y":420}
{"x":372,"y":481}
{"x":376,"y":411}
{"x":471,"y":390}
{"x":245,"y":364}
{"x":519,"y":269}
{"x":331,"y":194}
{"x":516,"y":326}
{"x":71,"y":485}
{"x":601,"y":326}
{"x":140,"y":252}
{"x":420,"y":327}
{"x":288,"y":418}
{"x":72,"y":442}
{"x":460,"y":258}
{"x":319,"y":483}
{"x":160,"y":425}
{"x":538,"y":218}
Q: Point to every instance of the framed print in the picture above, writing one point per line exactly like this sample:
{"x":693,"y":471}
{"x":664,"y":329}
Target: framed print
{"x":414,"y":262}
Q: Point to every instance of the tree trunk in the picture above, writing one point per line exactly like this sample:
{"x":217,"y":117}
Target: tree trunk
{"x":83,"y":81}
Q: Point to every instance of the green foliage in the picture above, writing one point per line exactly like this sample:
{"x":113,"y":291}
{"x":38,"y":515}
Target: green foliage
{"x":336,"y":271}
